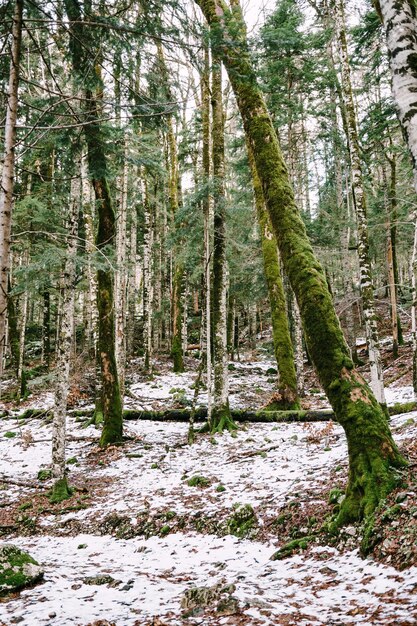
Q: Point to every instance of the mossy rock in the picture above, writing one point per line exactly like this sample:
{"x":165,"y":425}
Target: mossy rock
{"x":198,"y":481}
{"x":101,"y":579}
{"x":291,"y":547}
{"x":17,"y":569}
{"x":242,"y":522}
{"x":195,"y":600}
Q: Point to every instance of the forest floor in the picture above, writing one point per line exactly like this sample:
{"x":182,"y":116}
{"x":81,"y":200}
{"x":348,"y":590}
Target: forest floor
{"x":161,"y":533}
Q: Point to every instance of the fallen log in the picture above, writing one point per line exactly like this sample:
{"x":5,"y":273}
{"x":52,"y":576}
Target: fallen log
{"x":239,"y":415}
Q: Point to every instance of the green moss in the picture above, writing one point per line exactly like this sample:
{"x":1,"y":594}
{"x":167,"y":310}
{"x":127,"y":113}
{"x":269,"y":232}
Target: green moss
{"x":10,"y":434}
{"x":198,"y":481}
{"x":242,"y":522}
{"x":335,"y":496}
{"x":292,"y":546}
{"x":72,"y":461}
{"x":17,"y":569}
{"x":222,"y":420}
{"x":165,"y":530}
{"x":155,"y":466}
{"x":60,"y":491}
{"x":25,"y":506}
{"x":220,"y":488}
{"x":44,"y":474}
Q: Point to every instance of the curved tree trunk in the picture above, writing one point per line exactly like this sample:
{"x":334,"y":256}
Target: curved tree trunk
{"x":373,"y":455}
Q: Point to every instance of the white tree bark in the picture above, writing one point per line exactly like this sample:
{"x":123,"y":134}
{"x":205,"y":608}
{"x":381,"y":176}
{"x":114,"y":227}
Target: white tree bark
{"x":413,"y":271}
{"x":65,"y":334}
{"x":7,"y":175}
{"x":359,"y":200}
{"x":399,"y":19}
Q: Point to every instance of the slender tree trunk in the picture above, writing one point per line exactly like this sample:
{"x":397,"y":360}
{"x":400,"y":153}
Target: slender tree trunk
{"x":46,"y":328}
{"x":147,"y":269}
{"x":121,"y":276}
{"x":413,"y":271}
{"x":359,"y":201}
{"x":373,"y":454}
{"x":106,"y":232}
{"x":284,"y":353}
{"x":61,"y":490}
{"x":13,"y":332}
{"x":7,"y":174}
{"x":220,"y":418}
{"x":205,"y":119}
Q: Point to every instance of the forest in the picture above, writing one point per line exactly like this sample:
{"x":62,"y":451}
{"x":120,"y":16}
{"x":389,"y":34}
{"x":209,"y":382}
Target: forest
{"x":208,"y":339}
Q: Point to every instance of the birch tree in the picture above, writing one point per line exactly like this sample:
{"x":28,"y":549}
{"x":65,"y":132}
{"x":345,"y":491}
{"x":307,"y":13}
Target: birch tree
{"x":359,"y":201}
{"x":61,"y":490}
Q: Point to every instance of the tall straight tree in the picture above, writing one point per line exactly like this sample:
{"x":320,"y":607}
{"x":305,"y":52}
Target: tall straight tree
{"x":7,"y":176}
{"x":61,"y":490}
{"x":84,"y":62}
{"x":221,"y":418}
{"x":373,"y":455}
{"x":359,"y":201}
{"x":400,"y":23}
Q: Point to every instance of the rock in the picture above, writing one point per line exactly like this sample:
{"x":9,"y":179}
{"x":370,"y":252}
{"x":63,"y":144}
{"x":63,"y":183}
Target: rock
{"x":104,"y":579}
{"x":401,"y":496}
{"x":219,"y":596}
{"x":350,"y":530}
{"x":17,"y":569}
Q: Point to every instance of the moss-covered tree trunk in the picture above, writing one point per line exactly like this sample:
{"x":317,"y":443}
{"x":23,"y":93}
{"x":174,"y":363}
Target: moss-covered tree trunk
{"x":283,"y":348}
{"x":220,"y":418}
{"x":373,"y":456}
{"x":106,"y":231}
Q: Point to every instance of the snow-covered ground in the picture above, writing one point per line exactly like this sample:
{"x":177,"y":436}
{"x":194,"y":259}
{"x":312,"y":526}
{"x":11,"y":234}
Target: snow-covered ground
{"x":265,"y":465}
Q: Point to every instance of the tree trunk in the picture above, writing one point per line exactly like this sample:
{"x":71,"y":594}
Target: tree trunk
{"x":221,"y":418}
{"x":7,"y":175}
{"x":106,"y":232}
{"x":121,"y":275}
{"x":359,"y":201}
{"x":61,"y":490}
{"x":283,"y":348}
{"x":205,"y":122}
{"x":373,"y":455}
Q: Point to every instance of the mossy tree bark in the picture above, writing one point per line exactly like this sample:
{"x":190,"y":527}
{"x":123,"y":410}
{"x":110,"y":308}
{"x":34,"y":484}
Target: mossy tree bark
{"x":7,"y":173}
{"x":373,"y":456}
{"x":106,"y":232}
{"x":220,"y":418}
{"x":283,"y":348}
